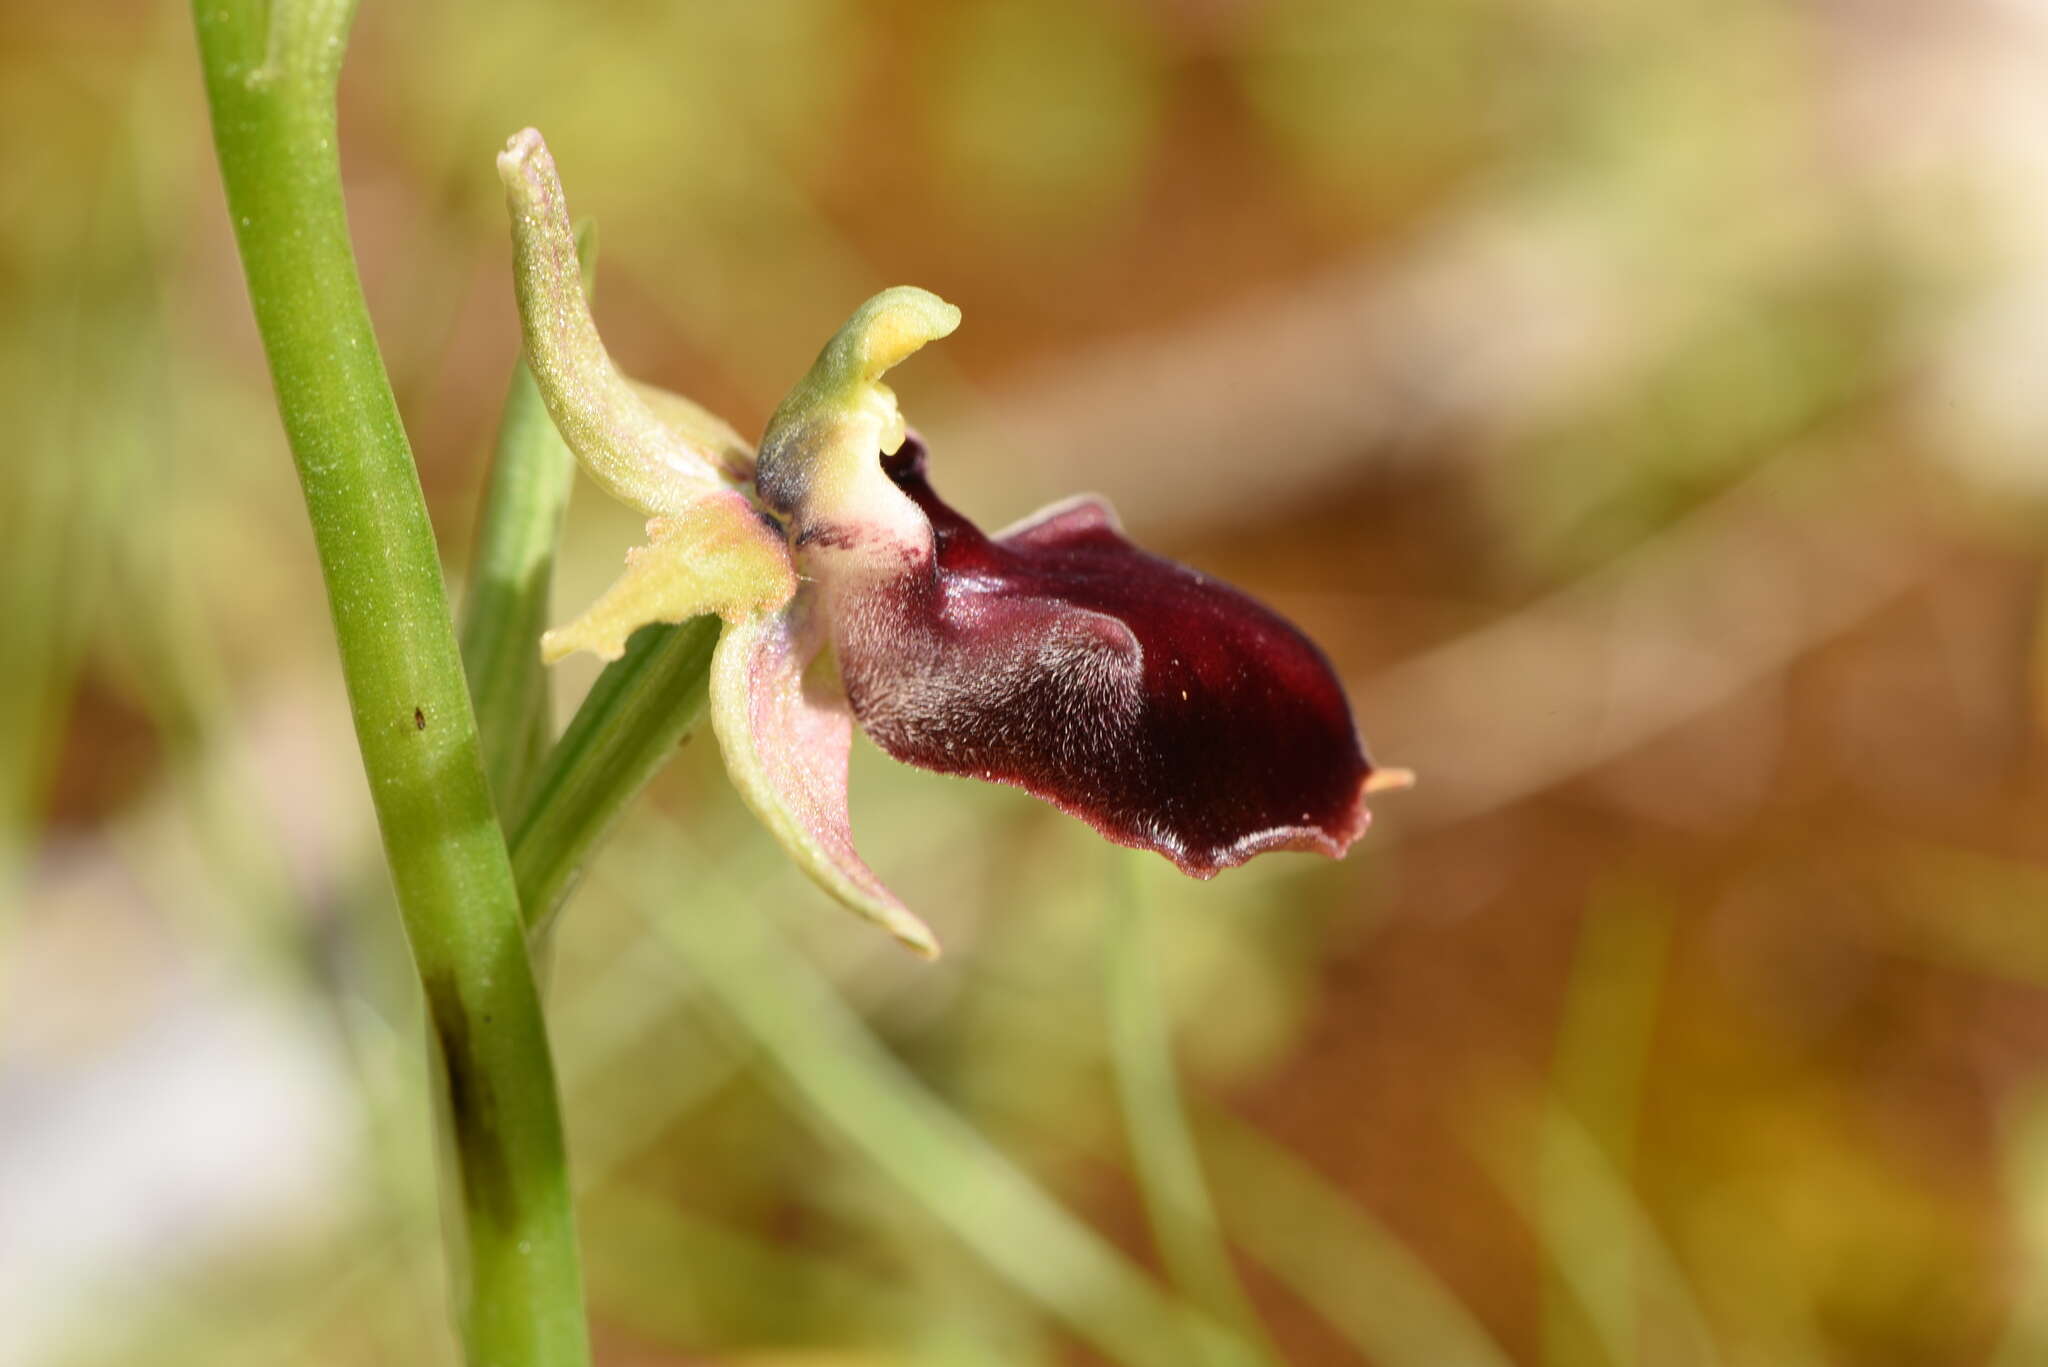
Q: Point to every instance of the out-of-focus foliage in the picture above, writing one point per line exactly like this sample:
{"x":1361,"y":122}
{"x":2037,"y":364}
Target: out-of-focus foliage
{"x":1640,"y":401}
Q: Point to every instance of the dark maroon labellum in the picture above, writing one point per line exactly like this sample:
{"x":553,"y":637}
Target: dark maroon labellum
{"x":1168,"y":710}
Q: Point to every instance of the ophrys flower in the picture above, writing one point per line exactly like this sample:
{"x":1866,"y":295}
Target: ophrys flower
{"x":1169,"y":711}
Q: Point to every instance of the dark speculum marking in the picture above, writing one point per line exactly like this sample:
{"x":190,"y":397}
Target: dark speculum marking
{"x":1168,"y":710}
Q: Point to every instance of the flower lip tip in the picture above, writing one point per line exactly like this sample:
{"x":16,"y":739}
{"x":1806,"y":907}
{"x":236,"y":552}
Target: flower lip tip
{"x":1389,"y":780}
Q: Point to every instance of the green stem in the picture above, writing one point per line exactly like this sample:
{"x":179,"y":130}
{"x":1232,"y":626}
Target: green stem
{"x":270,"y":77}
{"x":635,"y":715}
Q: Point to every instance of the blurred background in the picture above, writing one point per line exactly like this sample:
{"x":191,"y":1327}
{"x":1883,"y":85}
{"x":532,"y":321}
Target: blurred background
{"x":1640,"y":400}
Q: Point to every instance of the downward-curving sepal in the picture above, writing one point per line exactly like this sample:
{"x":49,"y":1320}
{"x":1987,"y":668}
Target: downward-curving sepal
{"x":786,"y":733}
{"x":1168,"y":710}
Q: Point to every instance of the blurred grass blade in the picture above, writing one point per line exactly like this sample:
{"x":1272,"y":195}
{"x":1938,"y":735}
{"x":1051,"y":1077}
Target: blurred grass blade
{"x":1966,"y":910}
{"x":511,"y":569}
{"x":1603,"y":1040}
{"x":1593,"y":1227}
{"x":636,"y":714}
{"x":2026,"y":1179}
{"x":53,"y":570}
{"x":1608,"y":1265}
{"x":1163,"y":1156}
{"x":755,"y":1287}
{"x":1344,"y":1264}
{"x":857,"y":1089}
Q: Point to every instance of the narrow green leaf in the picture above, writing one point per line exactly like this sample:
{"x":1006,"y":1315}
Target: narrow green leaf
{"x":511,"y":569}
{"x":641,"y":707}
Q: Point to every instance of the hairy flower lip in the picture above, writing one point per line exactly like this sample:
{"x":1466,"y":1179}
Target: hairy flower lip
{"x":1168,"y":710}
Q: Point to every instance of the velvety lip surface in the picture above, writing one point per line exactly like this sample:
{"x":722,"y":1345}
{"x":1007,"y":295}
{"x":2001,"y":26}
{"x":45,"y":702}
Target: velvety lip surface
{"x":1168,"y":710}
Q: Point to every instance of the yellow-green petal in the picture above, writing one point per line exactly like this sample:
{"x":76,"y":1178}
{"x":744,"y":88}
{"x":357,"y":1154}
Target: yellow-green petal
{"x":716,"y":556}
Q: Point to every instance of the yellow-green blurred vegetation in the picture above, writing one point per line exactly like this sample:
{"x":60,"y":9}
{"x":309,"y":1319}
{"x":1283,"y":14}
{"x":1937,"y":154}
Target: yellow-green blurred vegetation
{"x":1641,"y":400}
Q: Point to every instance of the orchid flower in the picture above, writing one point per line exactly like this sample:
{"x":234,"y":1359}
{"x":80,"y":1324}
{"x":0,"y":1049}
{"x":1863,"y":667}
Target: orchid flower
{"x":1167,"y":710}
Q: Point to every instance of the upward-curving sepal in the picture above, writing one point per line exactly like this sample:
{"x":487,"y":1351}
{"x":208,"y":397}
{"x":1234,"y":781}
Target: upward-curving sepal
{"x":656,"y":466}
{"x":709,"y":549}
{"x":785,"y":734}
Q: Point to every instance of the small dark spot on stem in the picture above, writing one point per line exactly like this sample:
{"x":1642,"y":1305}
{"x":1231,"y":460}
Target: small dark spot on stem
{"x":419,"y":719}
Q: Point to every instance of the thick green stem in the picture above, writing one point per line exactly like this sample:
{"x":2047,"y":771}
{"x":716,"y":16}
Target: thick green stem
{"x":270,"y":76}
